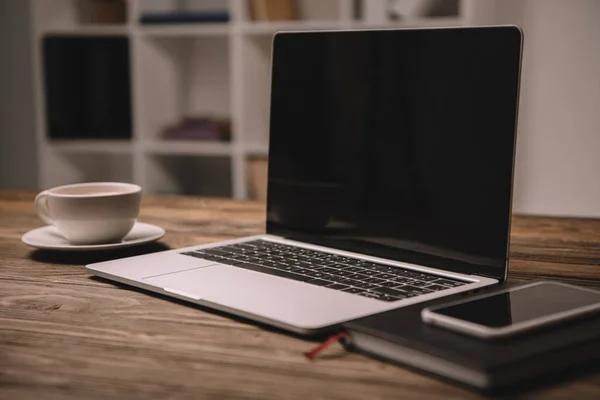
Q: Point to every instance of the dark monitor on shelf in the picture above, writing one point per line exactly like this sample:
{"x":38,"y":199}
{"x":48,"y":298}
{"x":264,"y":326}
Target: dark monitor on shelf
{"x":87,"y":87}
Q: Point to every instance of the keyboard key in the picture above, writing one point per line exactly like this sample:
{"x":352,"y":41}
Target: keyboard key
{"x":403,"y":280}
{"x":370,"y":272}
{"x":341,"y":272}
{"x":397,"y":272}
{"x":318,"y":263}
{"x":370,"y":265}
{"x":355,"y":262}
{"x":312,"y":253}
{"x":246,"y":246}
{"x":391,"y":298}
{"x":380,"y":267}
{"x":318,"y":282}
{"x":390,"y":292}
{"x":339,"y":266}
{"x":320,"y":275}
{"x":353,"y":290}
{"x":414,"y":289}
{"x":234,"y":247}
{"x":386,"y":276}
{"x":269,"y":264}
{"x":354,"y":269}
{"x":327,"y":270}
{"x":360,"y":277}
{"x":284,"y":267}
{"x":306,"y":259}
{"x":299,"y":263}
{"x":448,"y":282}
{"x":427,"y":278}
{"x":371,"y":295}
{"x":303,"y":271}
{"x":388,"y":283}
{"x":240,"y":257}
{"x":211,"y":257}
{"x":367,"y":286}
{"x":410,"y":274}
{"x":349,"y":282}
{"x":419,"y":283}
{"x":216,"y":252}
{"x":374,"y":280}
{"x":435,"y":288}
{"x":337,"y":286}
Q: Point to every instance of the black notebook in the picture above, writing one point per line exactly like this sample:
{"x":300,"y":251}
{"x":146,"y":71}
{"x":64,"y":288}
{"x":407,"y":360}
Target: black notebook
{"x":401,"y":337}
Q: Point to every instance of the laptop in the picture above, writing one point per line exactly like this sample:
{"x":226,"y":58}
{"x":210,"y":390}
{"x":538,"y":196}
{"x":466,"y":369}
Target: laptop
{"x":391,"y":157}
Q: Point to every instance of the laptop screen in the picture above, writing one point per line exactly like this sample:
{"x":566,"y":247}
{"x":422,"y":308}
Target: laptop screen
{"x":396,"y":143}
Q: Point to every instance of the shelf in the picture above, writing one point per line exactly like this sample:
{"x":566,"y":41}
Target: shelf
{"x":411,"y":22}
{"x":189,"y":147}
{"x":270,"y":28}
{"x":257,"y":150}
{"x":182,"y":70}
{"x":267,"y":28}
{"x":91,"y":146}
{"x":185,"y":30}
{"x":89,"y":30}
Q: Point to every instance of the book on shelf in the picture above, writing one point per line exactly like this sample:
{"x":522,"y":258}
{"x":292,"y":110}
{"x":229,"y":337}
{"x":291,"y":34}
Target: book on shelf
{"x":107,"y":11}
{"x":183,"y":17}
{"x":257,"y":171}
{"x":273,"y":10}
{"x":199,"y":128}
{"x":87,"y":87}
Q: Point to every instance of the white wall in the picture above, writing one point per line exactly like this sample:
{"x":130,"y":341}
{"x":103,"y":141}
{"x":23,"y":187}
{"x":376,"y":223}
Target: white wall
{"x":558,"y":160}
{"x":18,"y":160}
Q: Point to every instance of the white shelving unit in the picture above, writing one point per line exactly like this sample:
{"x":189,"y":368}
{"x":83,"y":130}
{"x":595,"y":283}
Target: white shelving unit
{"x":220,"y":69}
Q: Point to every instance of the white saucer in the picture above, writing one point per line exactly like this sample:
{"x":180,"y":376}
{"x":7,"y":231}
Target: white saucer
{"x":49,"y":238}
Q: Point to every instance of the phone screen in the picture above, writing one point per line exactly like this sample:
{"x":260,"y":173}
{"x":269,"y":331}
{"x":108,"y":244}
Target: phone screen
{"x":521,"y":305}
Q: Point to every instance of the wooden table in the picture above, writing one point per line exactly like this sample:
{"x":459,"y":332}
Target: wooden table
{"x":64,"y":334}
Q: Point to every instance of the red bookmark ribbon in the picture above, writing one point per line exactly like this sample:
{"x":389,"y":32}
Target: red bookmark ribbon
{"x":311,"y":355}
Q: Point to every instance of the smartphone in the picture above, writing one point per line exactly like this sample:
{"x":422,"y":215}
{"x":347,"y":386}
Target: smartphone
{"x":516,"y":310}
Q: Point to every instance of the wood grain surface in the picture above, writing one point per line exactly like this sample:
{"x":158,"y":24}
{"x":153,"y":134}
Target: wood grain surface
{"x":65,"y":334}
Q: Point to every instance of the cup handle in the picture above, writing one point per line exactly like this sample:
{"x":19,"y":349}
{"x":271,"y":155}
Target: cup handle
{"x":41,"y":207}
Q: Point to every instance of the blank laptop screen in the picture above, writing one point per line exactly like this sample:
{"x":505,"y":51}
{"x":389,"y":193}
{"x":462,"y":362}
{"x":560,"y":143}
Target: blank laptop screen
{"x":396,"y":143}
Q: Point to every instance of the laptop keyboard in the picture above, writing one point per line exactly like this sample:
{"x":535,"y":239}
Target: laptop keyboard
{"x":347,"y":274}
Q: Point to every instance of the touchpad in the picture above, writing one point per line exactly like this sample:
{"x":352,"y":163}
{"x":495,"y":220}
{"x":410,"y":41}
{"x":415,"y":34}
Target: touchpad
{"x":263,"y":295}
{"x":195,"y":283}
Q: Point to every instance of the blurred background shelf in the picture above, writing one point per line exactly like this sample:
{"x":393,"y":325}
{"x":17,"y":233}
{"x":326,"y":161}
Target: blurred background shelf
{"x":188,"y":147}
{"x":413,"y":22}
{"x":88,"y":30}
{"x":190,"y":30}
{"x":91,"y":146}
{"x":272,"y":27}
{"x":180,"y":71}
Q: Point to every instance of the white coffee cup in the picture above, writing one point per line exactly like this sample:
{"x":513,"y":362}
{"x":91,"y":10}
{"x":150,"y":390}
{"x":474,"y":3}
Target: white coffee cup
{"x":91,"y":213}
